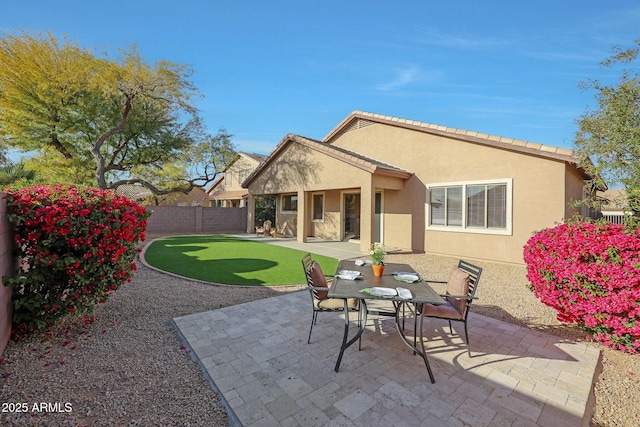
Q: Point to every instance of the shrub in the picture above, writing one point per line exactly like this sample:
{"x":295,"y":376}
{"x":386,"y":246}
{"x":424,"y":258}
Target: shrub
{"x":74,"y":247}
{"x":590,"y":274}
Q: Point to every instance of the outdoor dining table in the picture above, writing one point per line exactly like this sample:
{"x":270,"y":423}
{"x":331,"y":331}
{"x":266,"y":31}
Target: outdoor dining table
{"x":421,"y":293}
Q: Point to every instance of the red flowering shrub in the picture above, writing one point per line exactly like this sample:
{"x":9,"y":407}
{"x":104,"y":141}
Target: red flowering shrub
{"x":590,"y":274}
{"x":74,"y":246}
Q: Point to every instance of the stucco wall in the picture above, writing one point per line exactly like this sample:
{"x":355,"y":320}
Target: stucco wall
{"x":329,"y":227}
{"x":7,"y":264}
{"x":541,"y":188}
{"x":196,"y":219}
{"x":301,"y":168}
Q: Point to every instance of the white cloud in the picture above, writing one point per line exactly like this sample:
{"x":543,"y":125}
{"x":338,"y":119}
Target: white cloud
{"x":402,"y":77}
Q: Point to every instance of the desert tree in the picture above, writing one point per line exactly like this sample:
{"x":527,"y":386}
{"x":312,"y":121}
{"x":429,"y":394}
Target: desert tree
{"x":107,"y":121}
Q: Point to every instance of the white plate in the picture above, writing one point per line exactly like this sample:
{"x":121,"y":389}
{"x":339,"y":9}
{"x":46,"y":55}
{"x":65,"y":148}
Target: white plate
{"x":384,"y":292}
{"x":349,"y":272}
{"x":408,"y":277}
{"x":348,"y":275}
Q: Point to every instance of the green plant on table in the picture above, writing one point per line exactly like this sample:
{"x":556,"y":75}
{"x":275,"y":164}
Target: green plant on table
{"x":377,"y":254}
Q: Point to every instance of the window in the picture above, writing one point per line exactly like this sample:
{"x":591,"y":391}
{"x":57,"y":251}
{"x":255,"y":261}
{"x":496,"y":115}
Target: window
{"x":318,"y":207}
{"x":487,"y":206}
{"x":479,"y":207}
{"x":446,"y":206}
{"x":290,"y":203}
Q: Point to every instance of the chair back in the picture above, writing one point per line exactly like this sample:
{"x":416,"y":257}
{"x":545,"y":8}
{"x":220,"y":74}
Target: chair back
{"x":473,"y":279}
{"x":282,"y":231}
{"x":267,"y":225}
{"x":315,"y":277}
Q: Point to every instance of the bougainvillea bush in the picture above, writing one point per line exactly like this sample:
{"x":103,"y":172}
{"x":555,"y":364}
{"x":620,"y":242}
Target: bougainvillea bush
{"x":589,"y":272}
{"x":74,"y":247}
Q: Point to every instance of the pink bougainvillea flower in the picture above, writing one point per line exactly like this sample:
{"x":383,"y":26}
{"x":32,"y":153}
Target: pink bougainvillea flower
{"x":81,"y":243}
{"x":590,"y":274}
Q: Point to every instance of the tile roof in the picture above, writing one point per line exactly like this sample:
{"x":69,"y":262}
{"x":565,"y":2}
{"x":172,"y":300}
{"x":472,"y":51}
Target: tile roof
{"x":255,"y":156}
{"x":541,"y":150}
{"x":362,"y":162}
{"x":235,"y":194}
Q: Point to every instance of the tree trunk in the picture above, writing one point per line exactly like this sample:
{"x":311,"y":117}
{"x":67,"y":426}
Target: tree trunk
{"x":97,"y":155}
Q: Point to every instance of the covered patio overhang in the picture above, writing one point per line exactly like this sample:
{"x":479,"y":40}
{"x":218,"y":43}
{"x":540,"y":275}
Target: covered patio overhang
{"x":303,"y":167}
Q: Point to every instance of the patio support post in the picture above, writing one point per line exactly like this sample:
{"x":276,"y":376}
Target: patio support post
{"x":301,"y":223}
{"x":250,"y":212}
{"x":367,"y":212}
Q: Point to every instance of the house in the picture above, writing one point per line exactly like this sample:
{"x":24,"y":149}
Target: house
{"x":226,"y":191}
{"x":418,"y":187}
{"x":614,"y":205}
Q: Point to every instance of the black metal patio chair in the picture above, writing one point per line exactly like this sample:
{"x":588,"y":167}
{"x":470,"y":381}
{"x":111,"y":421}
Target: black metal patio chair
{"x":319,"y":290}
{"x":460,"y":293}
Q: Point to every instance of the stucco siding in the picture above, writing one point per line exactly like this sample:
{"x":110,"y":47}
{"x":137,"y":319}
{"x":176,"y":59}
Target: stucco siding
{"x":301,"y":167}
{"x":538,"y":187}
{"x":443,"y":190}
{"x":574,"y":187}
{"x":329,"y":226}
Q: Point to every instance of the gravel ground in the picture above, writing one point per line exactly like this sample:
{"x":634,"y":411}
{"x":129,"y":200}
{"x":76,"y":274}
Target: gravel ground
{"x":129,"y":368}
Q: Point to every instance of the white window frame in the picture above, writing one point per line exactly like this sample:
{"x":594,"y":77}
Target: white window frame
{"x":313,"y":206}
{"x":282,"y":202}
{"x":464,"y":228}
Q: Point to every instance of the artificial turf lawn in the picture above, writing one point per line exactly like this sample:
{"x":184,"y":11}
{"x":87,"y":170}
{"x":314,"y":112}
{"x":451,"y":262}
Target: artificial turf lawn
{"x":231,"y":260}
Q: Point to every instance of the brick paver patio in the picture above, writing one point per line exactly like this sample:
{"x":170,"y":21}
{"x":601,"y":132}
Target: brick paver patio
{"x":256,"y":354}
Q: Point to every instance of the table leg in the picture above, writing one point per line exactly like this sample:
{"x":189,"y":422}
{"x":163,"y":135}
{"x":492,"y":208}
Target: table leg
{"x":413,"y":347}
{"x":362,"y":321}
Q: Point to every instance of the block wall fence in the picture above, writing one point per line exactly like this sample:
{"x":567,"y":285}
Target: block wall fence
{"x":7,"y":265}
{"x":164,"y":219}
{"x":196,"y":219}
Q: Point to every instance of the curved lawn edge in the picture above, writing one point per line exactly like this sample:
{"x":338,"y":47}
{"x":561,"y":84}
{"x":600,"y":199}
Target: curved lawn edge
{"x":297,"y":285}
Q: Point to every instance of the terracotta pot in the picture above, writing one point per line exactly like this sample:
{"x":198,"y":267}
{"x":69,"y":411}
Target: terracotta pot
{"x":377,"y":270}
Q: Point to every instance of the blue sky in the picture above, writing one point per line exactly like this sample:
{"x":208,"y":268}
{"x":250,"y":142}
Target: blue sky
{"x":269,"y":68}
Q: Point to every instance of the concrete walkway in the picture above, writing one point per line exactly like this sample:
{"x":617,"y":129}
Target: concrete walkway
{"x":256,"y":355}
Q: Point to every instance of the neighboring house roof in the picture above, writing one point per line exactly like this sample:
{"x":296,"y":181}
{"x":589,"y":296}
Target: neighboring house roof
{"x":252,"y":157}
{"x":257,"y":157}
{"x":613,"y":200}
{"x":339,"y":153}
{"x":229,"y":195}
{"x":359,"y":119}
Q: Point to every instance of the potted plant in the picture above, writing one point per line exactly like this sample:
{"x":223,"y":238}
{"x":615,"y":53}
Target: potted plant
{"x":377,"y":258}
